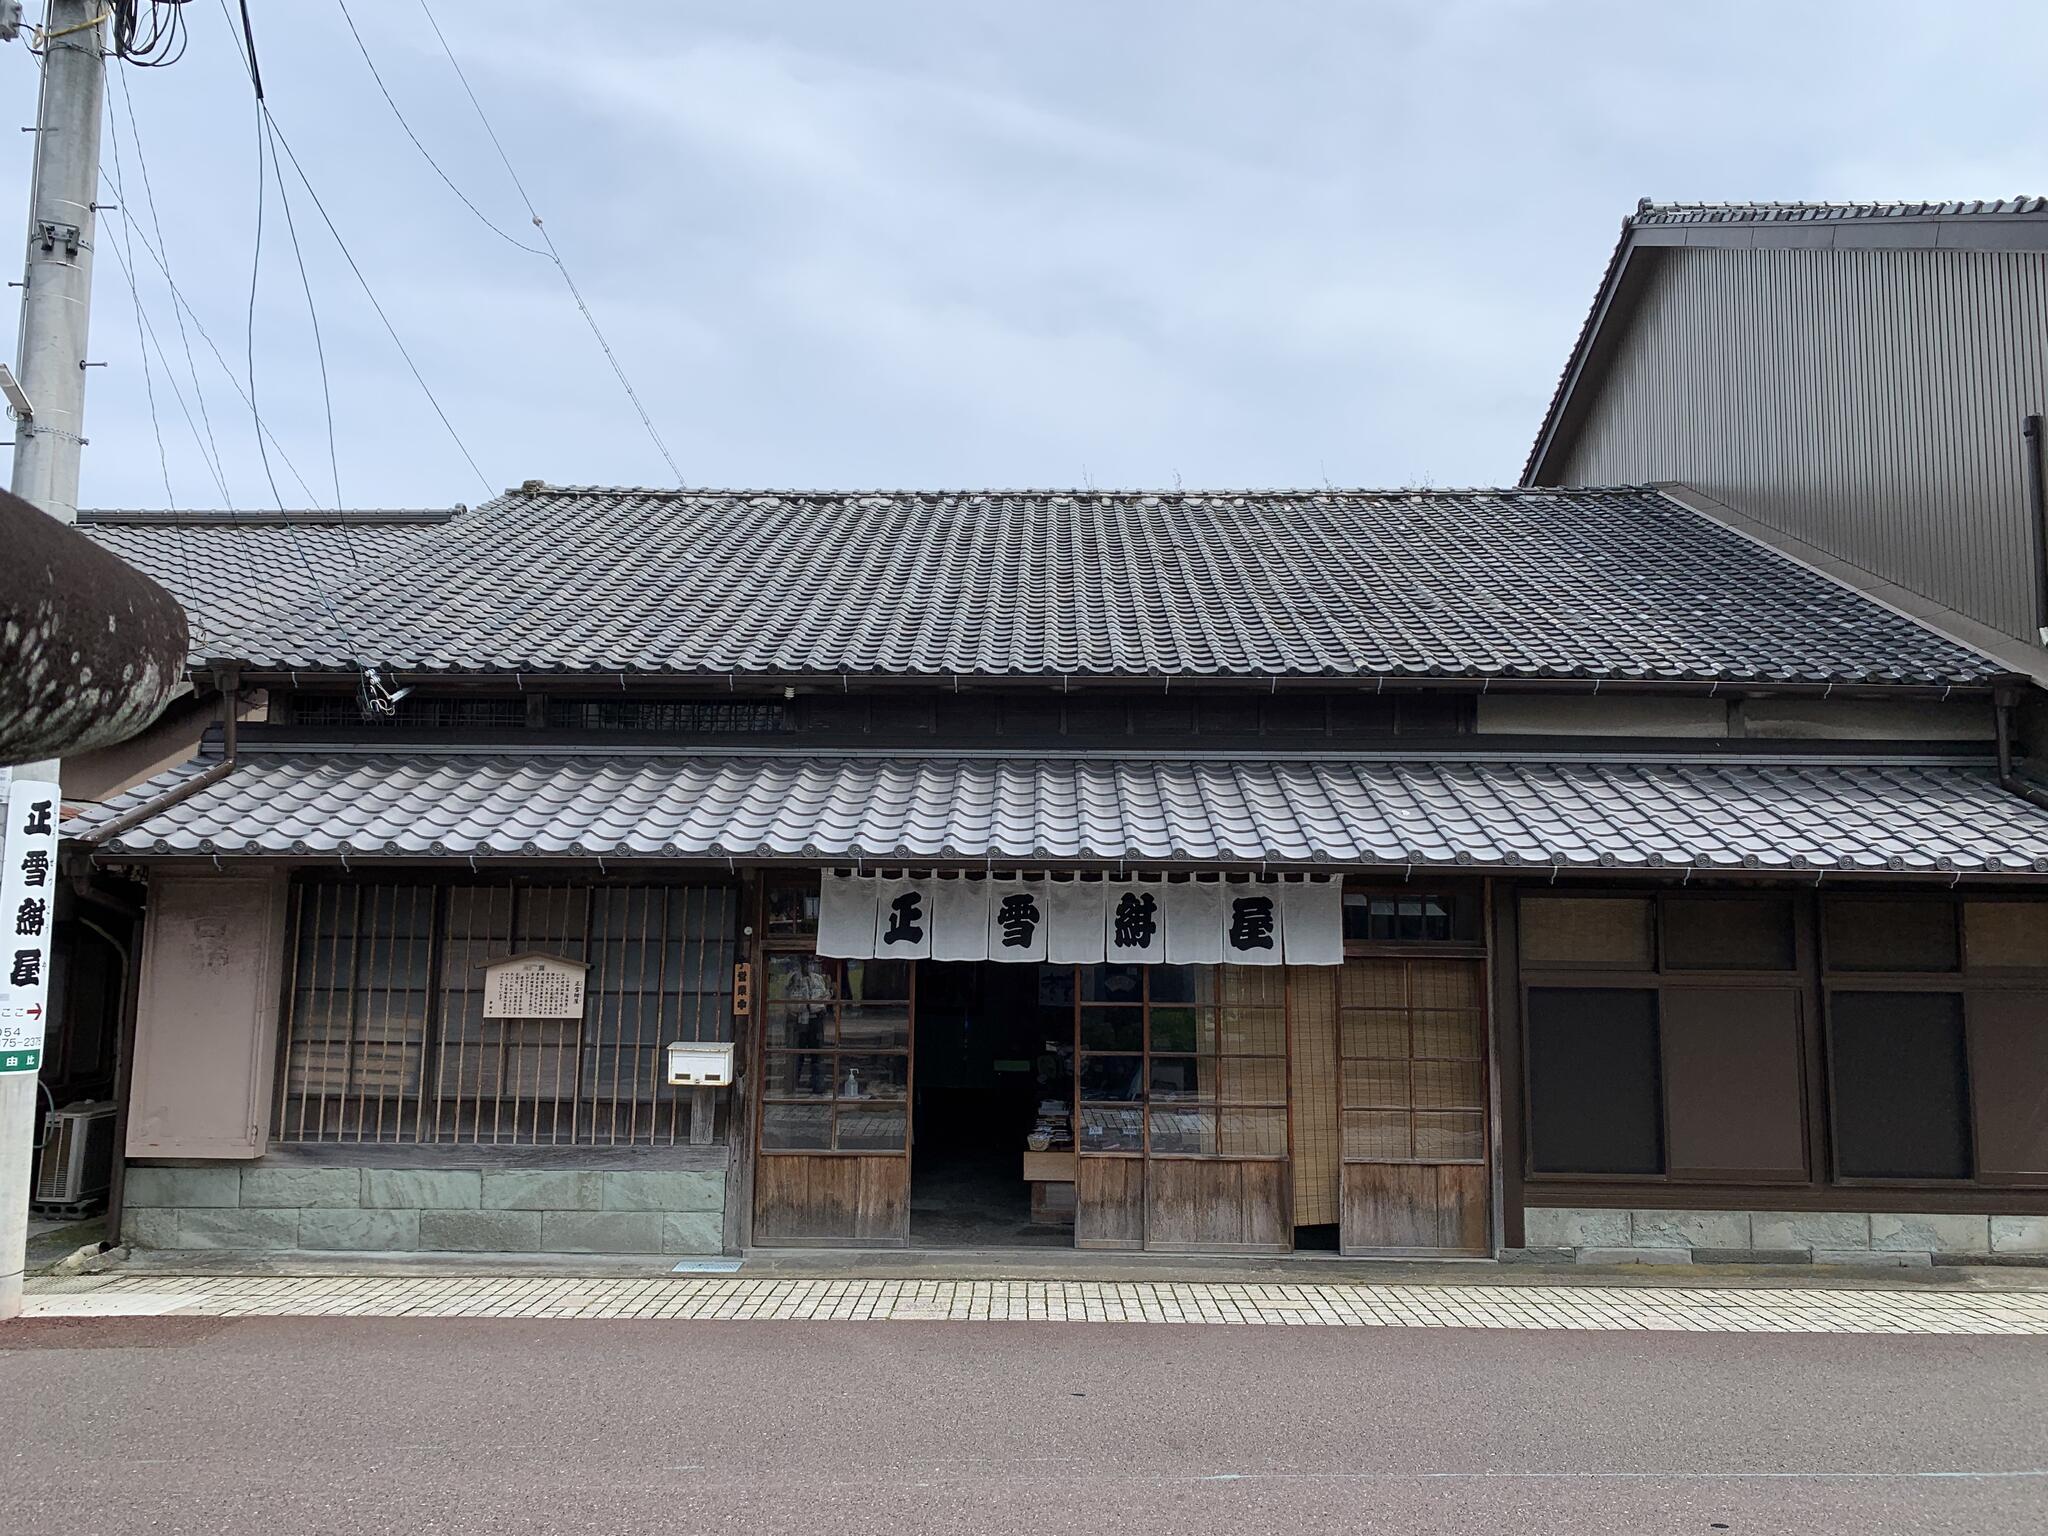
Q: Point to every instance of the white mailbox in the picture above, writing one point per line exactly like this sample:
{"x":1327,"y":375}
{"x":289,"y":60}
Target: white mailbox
{"x":695,"y":1065}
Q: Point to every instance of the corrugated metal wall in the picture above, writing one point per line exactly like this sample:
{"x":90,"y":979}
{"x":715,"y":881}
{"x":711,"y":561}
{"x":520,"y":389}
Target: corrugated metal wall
{"x":1868,"y":402}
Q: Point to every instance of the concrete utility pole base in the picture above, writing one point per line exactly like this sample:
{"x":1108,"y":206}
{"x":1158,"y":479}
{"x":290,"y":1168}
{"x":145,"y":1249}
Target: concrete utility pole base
{"x":56,"y":305}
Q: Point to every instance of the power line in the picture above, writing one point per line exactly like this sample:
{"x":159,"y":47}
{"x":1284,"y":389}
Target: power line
{"x":553,"y":255}
{"x":141,"y":343}
{"x":286,"y":145}
{"x":162,"y":357}
{"x":177,"y":307}
{"x":264,"y":135}
{"x":249,"y":321}
{"x":319,"y":348}
{"x":153,"y":44}
{"x":284,"y":142}
{"x":185,"y":307}
{"x":425,"y":154}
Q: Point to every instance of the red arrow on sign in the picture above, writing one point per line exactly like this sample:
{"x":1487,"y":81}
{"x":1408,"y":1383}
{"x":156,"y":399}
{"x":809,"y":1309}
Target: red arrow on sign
{"x":34,"y":1010}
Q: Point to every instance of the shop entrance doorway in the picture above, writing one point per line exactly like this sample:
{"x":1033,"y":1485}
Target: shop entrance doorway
{"x":992,"y":1111}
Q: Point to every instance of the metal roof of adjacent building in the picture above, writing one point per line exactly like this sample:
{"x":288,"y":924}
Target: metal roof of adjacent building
{"x":2010,"y":223}
{"x":1649,"y":212}
{"x":1608,"y":584}
{"x":1640,"y":815}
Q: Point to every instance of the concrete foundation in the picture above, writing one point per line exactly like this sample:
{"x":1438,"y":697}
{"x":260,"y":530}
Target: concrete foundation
{"x":424,"y":1210}
{"x":1604,"y":1236}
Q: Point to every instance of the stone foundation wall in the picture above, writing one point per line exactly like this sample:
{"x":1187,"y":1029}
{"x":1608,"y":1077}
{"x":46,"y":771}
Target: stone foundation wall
{"x":424,"y":1210}
{"x":1781,"y":1237}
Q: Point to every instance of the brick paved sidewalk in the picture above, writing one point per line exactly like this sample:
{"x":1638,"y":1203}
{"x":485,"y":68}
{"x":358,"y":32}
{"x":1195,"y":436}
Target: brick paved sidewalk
{"x":1697,"y":1309}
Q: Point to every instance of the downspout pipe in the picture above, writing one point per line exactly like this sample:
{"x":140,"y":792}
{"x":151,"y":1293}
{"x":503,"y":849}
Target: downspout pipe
{"x":128,"y":915}
{"x":124,"y":1057}
{"x":2008,"y":774}
{"x":228,"y":681}
{"x":2037,"y":509}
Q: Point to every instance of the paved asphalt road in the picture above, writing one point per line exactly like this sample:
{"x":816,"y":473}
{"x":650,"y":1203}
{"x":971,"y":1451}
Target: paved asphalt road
{"x":279,"y":1426}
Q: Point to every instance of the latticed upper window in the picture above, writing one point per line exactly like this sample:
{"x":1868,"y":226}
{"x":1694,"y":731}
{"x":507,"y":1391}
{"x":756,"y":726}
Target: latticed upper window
{"x":688,"y":716}
{"x":428,"y":711}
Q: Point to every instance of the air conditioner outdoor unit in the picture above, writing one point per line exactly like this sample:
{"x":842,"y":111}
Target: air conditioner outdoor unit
{"x":78,"y":1156}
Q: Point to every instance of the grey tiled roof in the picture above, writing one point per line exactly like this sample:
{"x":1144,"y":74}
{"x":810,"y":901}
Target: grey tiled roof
{"x":1583,"y":584}
{"x":1638,"y":815}
{"x":226,"y":567}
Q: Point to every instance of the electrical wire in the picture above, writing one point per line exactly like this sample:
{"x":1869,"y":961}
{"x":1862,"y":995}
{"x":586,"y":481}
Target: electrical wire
{"x":163,"y":358}
{"x":246,"y":42}
{"x":135,"y":294}
{"x":249,"y":321}
{"x":264,"y":140}
{"x":178,"y":306}
{"x":150,"y":34}
{"x":552,"y":254}
{"x":319,"y":348}
{"x":234,"y":379}
{"x":369,"y":293}
{"x":425,"y":154}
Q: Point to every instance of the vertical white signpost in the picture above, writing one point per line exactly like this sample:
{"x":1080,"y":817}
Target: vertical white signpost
{"x":27,"y":908}
{"x":28,"y":890}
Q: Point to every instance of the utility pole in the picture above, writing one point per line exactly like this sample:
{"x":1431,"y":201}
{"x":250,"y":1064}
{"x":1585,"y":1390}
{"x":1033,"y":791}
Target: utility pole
{"x":56,"y":303}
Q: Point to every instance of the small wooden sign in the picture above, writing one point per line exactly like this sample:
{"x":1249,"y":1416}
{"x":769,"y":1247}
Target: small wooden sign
{"x":742,"y":988}
{"x":534,"y":987}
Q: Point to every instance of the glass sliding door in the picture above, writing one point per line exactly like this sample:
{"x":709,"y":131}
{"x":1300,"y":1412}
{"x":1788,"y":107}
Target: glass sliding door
{"x":833,"y":1112}
{"x":1182,"y":1105}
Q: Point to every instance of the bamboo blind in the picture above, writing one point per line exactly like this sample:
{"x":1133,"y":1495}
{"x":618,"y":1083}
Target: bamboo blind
{"x":1317,"y":1153}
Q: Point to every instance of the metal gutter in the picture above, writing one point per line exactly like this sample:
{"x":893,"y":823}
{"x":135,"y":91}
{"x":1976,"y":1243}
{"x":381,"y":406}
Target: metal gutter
{"x":594,"y":681}
{"x":1855,"y":755}
{"x":2037,"y":509}
{"x":612,"y":863}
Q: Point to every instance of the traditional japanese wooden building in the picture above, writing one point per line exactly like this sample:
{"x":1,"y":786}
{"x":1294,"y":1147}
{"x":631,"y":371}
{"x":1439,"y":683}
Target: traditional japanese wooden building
{"x":1405,"y":873}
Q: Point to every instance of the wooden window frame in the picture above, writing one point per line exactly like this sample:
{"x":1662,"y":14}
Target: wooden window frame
{"x":1145,"y":1104}
{"x":1866,"y":982}
{"x":835,"y":1051}
{"x":1484,"y":1061}
{"x":1655,"y":978}
{"x":1823,"y":1188}
{"x":1473,"y":948}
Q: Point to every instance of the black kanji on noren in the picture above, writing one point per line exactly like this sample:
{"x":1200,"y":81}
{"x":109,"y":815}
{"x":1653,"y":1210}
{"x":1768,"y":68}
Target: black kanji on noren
{"x":906,"y":920}
{"x":1251,"y":922}
{"x":35,"y":867}
{"x":38,"y":823}
{"x":30,"y":916}
{"x":27,"y":969}
{"x":1137,"y":920}
{"x":1018,"y":917}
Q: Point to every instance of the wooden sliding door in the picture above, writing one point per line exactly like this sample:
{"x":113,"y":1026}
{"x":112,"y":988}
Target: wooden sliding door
{"x":1412,"y":1064}
{"x":833,"y":1107}
{"x":1183,"y":1109}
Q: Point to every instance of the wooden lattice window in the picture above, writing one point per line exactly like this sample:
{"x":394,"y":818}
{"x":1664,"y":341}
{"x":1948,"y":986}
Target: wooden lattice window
{"x":1412,"y":1047}
{"x":386,"y":1038}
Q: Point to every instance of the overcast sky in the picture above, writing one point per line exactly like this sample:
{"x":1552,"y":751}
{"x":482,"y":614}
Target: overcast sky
{"x":961,"y":244}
